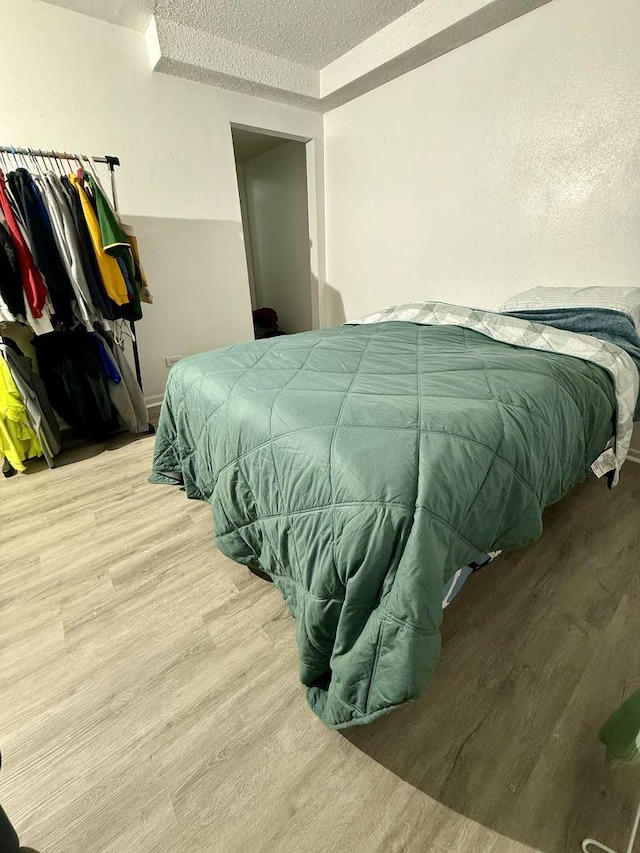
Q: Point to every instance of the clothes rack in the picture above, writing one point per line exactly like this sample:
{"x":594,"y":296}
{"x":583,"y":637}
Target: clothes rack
{"x":111,"y":162}
{"x":9,"y":152}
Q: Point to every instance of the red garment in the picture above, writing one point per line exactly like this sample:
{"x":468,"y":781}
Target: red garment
{"x":32,"y":282}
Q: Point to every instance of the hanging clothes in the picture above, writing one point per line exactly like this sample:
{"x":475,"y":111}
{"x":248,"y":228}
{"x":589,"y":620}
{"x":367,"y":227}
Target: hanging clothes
{"x":125,"y":395}
{"x":114,"y":240}
{"x":67,"y":269}
{"x":108,"y":365}
{"x":116,"y":243}
{"x":106,"y":306}
{"x":11,"y":290}
{"x":67,"y":242}
{"x":117,"y":389}
{"x":32,"y":281}
{"x":43,"y":244}
{"x":128,"y":280}
{"x":114,"y":283}
{"x":18,"y":441}
{"x":41,"y":418}
{"x":140,"y":410}
{"x":76,"y":384}
{"x":145,"y":292}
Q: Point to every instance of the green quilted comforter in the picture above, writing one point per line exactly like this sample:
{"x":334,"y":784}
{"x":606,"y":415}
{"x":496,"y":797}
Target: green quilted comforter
{"x":361,"y":466}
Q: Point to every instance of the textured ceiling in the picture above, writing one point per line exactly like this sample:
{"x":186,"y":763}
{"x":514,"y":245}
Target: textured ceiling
{"x":315,"y":54}
{"x":134,"y":14}
{"x":310,"y":32}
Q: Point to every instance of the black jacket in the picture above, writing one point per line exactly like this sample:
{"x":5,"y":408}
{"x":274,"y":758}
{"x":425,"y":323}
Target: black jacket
{"x":72,"y":372}
{"x":10,"y":281}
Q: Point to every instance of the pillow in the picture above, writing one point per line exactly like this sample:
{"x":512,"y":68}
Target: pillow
{"x":625,"y":299}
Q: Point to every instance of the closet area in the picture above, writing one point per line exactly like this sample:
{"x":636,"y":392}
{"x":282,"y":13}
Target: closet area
{"x":71,"y":290}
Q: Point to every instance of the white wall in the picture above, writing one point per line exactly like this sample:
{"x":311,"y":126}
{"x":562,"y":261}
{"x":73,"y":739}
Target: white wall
{"x":75,"y":83}
{"x":510,"y":162}
{"x":275,"y":185}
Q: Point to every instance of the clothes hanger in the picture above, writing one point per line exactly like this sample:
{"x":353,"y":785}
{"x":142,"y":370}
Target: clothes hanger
{"x":81,"y":170}
{"x":120,"y":331}
{"x":115,"y":331}
{"x":35,"y":163}
{"x":47,"y":159}
{"x":59,"y":165}
{"x":89,"y":165}
{"x":111,"y":196}
{"x":23,"y":160}
{"x":92,"y":169}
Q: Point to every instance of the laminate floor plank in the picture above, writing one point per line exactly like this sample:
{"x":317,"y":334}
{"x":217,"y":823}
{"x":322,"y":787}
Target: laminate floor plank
{"x":151,"y":701}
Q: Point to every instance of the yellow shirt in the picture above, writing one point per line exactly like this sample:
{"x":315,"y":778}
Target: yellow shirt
{"x":109,"y":269}
{"x":17,"y":440}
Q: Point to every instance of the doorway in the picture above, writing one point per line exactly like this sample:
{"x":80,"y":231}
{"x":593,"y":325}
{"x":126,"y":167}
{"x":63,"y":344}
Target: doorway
{"x":272,"y":185}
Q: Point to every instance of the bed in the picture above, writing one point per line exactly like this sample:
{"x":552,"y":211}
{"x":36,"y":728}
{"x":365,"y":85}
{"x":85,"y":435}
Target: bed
{"x":361,"y":466}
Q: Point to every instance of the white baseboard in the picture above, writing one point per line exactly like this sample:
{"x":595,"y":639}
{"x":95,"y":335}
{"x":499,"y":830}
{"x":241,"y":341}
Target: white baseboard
{"x":154,"y":400}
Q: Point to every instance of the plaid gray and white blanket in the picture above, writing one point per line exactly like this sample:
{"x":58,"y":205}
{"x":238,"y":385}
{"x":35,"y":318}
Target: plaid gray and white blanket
{"x":522,"y":333}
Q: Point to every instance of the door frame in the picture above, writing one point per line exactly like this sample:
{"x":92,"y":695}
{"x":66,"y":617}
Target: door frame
{"x":315,"y":212}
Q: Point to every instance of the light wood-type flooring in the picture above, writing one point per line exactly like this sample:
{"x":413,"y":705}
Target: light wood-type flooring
{"x":150,"y":702}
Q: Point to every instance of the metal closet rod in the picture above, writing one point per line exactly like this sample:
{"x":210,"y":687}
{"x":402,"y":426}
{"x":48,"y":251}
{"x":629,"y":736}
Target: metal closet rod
{"x":110,"y":160}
